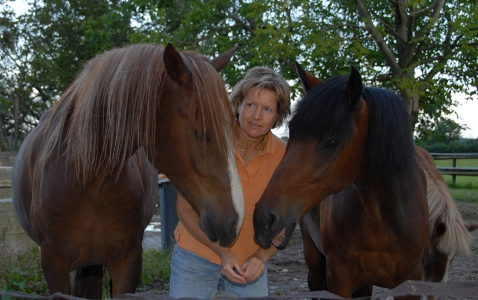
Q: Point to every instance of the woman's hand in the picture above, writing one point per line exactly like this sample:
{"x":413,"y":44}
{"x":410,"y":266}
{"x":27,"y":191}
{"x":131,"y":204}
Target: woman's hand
{"x":231,"y":267}
{"x":190,"y":219}
{"x":253,"y":268}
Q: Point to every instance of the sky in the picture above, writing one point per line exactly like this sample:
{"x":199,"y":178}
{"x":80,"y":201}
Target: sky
{"x":468,"y":115}
{"x":467,"y":110}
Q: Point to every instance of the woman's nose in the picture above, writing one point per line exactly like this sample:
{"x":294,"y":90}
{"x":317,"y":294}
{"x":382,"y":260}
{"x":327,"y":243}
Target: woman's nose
{"x":257,"y":114}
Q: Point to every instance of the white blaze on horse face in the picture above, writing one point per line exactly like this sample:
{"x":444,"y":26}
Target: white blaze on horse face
{"x":236,"y":187}
{"x":448,"y":264}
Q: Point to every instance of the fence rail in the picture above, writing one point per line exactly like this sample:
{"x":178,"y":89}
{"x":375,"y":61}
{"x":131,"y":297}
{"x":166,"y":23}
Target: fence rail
{"x":456,"y":171}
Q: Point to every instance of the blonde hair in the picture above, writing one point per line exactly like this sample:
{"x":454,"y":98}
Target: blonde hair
{"x":263,"y":78}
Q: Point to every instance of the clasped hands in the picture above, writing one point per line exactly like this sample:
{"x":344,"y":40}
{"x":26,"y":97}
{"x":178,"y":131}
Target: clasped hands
{"x":252,"y":268}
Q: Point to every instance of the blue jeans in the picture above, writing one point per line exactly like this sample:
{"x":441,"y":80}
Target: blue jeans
{"x":196,"y":277}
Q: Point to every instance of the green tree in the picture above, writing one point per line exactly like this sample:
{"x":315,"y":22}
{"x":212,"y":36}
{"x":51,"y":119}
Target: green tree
{"x":44,"y":48}
{"x":425,"y":50}
{"x":443,"y":131}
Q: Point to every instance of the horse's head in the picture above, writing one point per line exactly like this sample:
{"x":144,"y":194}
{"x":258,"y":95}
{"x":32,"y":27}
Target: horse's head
{"x":194,"y":141}
{"x":325,"y":153}
{"x":435,"y":261}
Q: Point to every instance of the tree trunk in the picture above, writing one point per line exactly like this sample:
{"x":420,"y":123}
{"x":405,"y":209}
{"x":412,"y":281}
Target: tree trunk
{"x":16,"y":116}
{"x":412,"y":104}
{"x":2,"y":145}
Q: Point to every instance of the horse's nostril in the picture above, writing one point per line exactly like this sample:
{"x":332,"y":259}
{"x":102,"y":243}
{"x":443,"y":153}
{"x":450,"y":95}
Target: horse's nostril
{"x":271,"y":221}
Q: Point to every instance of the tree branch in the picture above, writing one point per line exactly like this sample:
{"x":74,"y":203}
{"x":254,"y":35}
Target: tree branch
{"x":386,"y":51}
{"x":425,"y":30}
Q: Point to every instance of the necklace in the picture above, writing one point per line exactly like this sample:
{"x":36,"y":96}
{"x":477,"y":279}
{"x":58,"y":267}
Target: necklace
{"x":260,"y":150}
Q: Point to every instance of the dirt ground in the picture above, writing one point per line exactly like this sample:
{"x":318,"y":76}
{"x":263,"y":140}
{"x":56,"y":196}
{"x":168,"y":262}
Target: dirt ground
{"x":288,"y":271}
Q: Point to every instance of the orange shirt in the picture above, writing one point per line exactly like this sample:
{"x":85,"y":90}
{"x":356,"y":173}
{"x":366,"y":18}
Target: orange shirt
{"x":254,"y":178}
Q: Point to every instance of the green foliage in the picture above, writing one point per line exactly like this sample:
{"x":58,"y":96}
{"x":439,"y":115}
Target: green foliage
{"x":400,"y":45}
{"x":460,"y":146}
{"x":156,"y":266}
{"x":43,"y":50}
{"x":439,"y":130}
{"x":24,"y":274}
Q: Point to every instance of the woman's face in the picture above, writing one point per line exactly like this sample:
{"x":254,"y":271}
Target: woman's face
{"x":258,"y":112}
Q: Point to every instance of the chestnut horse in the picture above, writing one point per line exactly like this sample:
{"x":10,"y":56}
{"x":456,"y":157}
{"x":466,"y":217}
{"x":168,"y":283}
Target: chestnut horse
{"x":449,"y":235}
{"x":350,"y":149}
{"x":85,"y":179}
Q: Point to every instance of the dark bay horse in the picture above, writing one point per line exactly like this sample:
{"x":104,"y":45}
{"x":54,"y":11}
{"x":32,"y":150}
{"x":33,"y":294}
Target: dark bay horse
{"x":85,"y":179}
{"x":449,"y":234}
{"x":350,"y":149}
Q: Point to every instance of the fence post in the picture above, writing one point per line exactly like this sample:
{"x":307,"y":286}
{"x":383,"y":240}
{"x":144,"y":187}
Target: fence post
{"x":454,"y":176}
{"x":169,"y":217}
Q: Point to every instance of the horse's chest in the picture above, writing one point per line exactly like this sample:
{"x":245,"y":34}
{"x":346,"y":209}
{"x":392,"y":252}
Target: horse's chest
{"x":385,"y":265}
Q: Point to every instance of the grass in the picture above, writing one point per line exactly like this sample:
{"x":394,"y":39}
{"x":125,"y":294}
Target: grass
{"x":25,"y":274}
{"x":465,"y":195}
{"x":466,"y":187}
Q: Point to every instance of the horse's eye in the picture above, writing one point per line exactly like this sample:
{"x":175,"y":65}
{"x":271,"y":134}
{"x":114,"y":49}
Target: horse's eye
{"x":202,"y":136}
{"x":332,"y":144}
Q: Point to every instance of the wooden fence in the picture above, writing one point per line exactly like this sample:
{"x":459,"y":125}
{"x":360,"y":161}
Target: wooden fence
{"x":454,"y":170}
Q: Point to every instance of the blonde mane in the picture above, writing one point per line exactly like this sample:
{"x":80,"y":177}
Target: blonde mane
{"x":110,"y":109}
{"x":441,"y":205}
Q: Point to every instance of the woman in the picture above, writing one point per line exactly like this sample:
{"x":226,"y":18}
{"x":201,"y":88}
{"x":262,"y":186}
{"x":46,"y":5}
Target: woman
{"x":261,"y":101}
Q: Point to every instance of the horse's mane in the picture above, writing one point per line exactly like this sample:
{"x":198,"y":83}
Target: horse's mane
{"x":112,"y":106}
{"x":390,"y":150}
{"x":326,"y":107}
{"x":441,"y":207}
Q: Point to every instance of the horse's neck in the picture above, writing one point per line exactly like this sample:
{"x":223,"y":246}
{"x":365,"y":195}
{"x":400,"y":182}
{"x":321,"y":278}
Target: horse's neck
{"x":374,"y":191}
{"x":393,"y":194}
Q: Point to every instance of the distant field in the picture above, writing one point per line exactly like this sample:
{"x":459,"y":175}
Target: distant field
{"x":470,"y":182}
{"x":466,"y":187}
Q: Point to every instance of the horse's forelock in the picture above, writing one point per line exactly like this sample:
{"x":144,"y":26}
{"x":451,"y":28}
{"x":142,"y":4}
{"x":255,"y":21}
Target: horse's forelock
{"x":324,"y":109}
{"x":210,"y":110}
{"x":442,"y":208}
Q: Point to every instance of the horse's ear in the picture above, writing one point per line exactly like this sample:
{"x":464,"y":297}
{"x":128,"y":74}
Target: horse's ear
{"x":354,"y":86}
{"x":308,"y":80}
{"x":223,"y":59}
{"x":174,"y":65}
